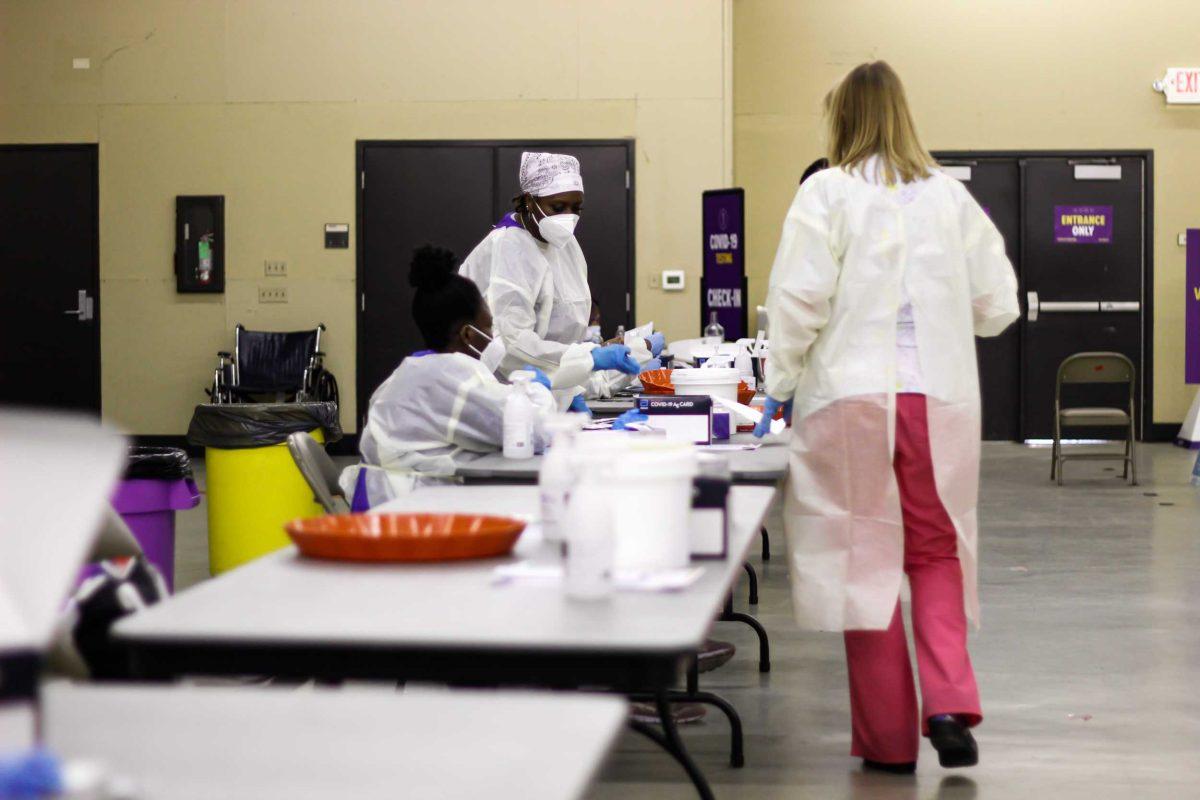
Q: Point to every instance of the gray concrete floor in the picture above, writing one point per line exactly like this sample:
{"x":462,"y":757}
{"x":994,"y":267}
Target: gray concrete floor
{"x":1088,"y":658}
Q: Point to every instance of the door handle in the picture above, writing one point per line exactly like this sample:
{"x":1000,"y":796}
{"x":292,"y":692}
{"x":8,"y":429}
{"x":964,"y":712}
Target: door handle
{"x":1070,"y":306}
{"x":1120,"y":305}
{"x":85,"y":311}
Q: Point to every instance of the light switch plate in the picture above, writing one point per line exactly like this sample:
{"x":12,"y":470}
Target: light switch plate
{"x":81,"y":63}
{"x":272,"y":294}
{"x":1182,"y":240}
{"x":275,"y":269}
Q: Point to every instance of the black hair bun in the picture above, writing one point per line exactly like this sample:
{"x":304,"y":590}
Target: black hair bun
{"x":432,"y":268}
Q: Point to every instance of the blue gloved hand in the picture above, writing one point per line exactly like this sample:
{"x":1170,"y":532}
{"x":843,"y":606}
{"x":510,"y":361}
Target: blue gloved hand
{"x":614,"y":356}
{"x":632,"y":415}
{"x":653,"y":363}
{"x":769,"y":409}
{"x":657,"y":343}
{"x":579,"y":405}
{"x":538,"y":376}
{"x":37,"y":773}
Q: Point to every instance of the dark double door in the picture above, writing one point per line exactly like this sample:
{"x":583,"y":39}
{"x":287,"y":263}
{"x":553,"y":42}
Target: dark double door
{"x":449,"y":194}
{"x":49,"y":277}
{"x":1074,"y":229}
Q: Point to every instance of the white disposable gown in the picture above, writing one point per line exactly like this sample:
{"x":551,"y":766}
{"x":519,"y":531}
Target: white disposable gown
{"x":848,"y":245}
{"x":433,"y":413}
{"x":540,"y":302}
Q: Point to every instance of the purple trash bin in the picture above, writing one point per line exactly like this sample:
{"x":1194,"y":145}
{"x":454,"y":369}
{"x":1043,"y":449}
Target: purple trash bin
{"x":148,"y":506}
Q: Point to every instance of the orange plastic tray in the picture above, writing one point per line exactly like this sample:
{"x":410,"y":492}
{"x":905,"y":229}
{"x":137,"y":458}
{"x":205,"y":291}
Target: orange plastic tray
{"x":658,"y":381}
{"x":405,"y":537}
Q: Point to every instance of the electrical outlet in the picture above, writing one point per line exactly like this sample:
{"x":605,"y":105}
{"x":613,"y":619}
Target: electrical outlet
{"x":655,"y":280}
{"x":275,"y":269}
{"x":272,"y":294}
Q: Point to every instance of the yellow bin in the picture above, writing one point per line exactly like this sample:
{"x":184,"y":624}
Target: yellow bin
{"x":251,"y":494}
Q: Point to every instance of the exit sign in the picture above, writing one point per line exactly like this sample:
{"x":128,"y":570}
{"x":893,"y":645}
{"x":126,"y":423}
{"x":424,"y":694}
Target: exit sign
{"x":1180,"y":85}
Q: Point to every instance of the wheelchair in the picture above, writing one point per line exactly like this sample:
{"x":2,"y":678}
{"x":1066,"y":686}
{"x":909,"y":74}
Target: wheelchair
{"x":270,"y":366}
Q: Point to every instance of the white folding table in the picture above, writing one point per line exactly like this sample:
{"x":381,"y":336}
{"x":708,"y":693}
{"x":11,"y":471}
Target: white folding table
{"x":448,"y":622}
{"x":185,"y":743}
{"x":766,"y":465}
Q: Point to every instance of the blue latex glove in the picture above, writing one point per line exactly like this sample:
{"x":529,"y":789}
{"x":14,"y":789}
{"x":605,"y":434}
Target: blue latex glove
{"x":653,"y":363}
{"x":538,"y":376}
{"x":632,"y":415}
{"x":769,"y":408}
{"x":579,"y":405}
{"x":657,"y":343}
{"x":614,"y":356}
{"x":33,"y":774}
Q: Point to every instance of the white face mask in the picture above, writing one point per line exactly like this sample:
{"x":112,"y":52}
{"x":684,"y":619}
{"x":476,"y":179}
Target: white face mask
{"x":493,"y":354}
{"x":557,"y":229}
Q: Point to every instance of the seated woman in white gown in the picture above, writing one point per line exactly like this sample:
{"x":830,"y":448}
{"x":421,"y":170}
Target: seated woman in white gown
{"x":443,"y":405}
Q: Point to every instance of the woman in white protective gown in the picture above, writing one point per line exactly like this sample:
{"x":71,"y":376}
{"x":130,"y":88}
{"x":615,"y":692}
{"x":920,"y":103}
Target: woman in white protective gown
{"x":886,"y":272}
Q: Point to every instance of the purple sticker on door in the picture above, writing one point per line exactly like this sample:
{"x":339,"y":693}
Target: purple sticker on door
{"x":1083,"y":224}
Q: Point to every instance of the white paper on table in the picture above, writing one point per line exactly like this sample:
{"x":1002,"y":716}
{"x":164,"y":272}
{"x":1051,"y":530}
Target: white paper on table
{"x":56,"y":474}
{"x":669,"y":580}
{"x":743,"y":446}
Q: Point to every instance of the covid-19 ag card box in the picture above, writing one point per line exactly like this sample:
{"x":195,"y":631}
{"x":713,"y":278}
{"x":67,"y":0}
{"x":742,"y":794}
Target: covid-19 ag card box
{"x":683,"y":418}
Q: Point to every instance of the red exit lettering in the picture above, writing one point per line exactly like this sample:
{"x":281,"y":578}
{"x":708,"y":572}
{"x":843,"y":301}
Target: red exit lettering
{"x":1187,"y":81}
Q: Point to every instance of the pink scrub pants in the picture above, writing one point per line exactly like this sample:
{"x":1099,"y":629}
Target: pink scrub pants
{"x":883,"y":701}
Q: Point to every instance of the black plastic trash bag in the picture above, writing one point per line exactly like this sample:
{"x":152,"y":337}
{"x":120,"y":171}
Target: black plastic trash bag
{"x":237,"y":426}
{"x":159,"y":463}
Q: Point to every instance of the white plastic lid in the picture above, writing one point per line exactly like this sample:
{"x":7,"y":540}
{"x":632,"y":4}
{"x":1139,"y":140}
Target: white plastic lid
{"x":669,"y":463}
{"x":709,"y":375}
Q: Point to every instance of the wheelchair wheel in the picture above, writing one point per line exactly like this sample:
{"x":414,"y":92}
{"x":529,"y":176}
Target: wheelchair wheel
{"x":327,"y":388}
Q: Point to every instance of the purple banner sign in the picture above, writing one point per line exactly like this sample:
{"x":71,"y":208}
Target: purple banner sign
{"x":1191,"y":319}
{"x":723,"y":224}
{"x":1083,"y":224}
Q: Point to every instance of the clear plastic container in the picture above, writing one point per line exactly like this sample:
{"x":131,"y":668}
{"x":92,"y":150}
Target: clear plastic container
{"x":557,"y":474}
{"x":591,"y":544}
{"x":519,"y":414}
{"x":714,"y":332}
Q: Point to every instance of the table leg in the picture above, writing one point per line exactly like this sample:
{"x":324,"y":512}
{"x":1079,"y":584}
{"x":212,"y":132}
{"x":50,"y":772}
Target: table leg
{"x":676,"y":748}
{"x":693,"y":694}
{"x":682,"y":758}
{"x":737,"y":753}
{"x":753,"y":576}
{"x":766,"y":544}
{"x":764,"y":644}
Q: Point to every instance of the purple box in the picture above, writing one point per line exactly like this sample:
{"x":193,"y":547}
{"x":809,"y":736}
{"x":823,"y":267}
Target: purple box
{"x":148,"y":507}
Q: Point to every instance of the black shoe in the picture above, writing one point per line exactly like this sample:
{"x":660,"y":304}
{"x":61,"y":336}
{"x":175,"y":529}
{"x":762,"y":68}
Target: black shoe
{"x":902,"y":768}
{"x":953,"y":741}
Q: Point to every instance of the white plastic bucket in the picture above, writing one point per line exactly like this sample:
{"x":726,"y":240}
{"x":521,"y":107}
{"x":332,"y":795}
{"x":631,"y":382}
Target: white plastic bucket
{"x":647,"y":484}
{"x":652,"y":501}
{"x":714,"y":381}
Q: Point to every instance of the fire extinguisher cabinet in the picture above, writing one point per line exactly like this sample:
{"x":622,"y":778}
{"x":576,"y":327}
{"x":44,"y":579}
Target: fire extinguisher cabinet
{"x":200,"y":243}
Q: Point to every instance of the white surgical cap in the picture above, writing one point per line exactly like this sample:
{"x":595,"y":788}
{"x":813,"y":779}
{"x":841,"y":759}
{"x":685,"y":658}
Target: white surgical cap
{"x":544,"y":174}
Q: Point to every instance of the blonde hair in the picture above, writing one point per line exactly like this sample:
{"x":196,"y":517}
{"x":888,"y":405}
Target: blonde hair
{"x":867,"y":115}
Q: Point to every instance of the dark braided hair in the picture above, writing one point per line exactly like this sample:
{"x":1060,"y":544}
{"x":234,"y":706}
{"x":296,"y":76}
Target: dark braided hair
{"x":444,"y":300}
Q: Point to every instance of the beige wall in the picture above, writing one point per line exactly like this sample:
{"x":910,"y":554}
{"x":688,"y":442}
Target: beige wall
{"x":991,"y":74}
{"x":263,"y":101}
